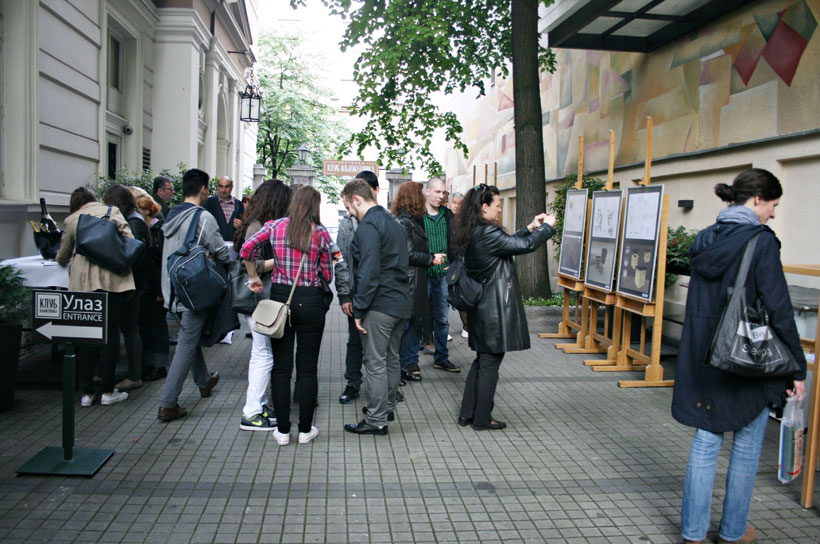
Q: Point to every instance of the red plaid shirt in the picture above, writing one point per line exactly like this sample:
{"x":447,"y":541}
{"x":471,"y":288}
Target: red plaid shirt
{"x":287,"y":258}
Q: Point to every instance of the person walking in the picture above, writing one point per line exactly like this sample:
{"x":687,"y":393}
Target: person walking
{"x":381,"y":302}
{"x":269,"y":202}
{"x":84,"y":275}
{"x":715,"y":402}
{"x":226,"y":209}
{"x":497,"y":324}
{"x":409,"y":207}
{"x":188,"y":355}
{"x":437,"y":224}
{"x":344,"y":281}
{"x":301,"y":255}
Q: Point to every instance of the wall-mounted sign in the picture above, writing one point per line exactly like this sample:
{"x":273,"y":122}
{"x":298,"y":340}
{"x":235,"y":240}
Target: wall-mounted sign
{"x":348,"y":168}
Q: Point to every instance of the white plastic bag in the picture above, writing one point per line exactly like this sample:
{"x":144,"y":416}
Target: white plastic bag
{"x":792,"y":429}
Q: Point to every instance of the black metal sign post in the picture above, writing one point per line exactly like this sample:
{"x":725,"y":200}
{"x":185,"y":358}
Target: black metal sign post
{"x":69,"y":317}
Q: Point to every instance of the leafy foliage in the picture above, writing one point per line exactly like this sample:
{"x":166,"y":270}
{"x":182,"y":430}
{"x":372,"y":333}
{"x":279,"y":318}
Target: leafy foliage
{"x":678,"y":242}
{"x":145,"y":180}
{"x":556,"y":299}
{"x":295,"y":110}
{"x":413,"y":49}
{"x":15,"y":299}
{"x":556,"y":207}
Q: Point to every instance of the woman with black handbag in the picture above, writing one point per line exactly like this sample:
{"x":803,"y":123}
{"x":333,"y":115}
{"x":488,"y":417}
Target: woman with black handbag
{"x":269,"y":202}
{"x":84,"y":275}
{"x":497,"y":324}
{"x":714,"y":401}
{"x":296,"y":239}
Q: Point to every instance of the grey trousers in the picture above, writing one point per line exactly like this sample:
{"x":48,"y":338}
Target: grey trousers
{"x":381,"y":364}
{"x":188,"y":356}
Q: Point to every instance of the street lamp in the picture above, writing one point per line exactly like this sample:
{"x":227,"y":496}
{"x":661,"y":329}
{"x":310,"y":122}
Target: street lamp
{"x":303,"y":153}
{"x":251,"y":104}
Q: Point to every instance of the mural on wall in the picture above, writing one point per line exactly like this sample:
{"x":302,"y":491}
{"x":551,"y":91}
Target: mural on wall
{"x":752,"y":76}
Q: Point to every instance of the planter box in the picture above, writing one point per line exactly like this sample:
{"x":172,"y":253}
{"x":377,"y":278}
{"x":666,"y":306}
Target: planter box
{"x":10,"y":335}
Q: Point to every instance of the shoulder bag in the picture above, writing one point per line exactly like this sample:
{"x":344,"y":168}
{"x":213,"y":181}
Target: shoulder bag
{"x":743,"y":342}
{"x":195,"y":281}
{"x":271,"y":316}
{"x":463,"y":292}
{"x":99,"y":240}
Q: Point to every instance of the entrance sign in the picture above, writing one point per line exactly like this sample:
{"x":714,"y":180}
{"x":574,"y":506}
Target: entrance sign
{"x":70,"y":316}
{"x":348,"y":168}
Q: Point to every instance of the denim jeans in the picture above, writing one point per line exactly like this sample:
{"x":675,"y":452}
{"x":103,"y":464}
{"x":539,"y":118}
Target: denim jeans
{"x":437,"y":291}
{"x":740,"y":481}
{"x":409,"y":347}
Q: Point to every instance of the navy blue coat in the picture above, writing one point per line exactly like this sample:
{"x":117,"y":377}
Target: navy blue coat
{"x":707,"y":398}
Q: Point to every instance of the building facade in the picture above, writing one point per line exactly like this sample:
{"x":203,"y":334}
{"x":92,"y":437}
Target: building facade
{"x":93,"y":87}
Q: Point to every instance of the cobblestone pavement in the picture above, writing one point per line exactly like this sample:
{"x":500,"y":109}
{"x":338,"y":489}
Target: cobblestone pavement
{"x":581,"y":461}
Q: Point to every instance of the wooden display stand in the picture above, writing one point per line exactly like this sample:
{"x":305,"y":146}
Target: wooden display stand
{"x":812,"y":440}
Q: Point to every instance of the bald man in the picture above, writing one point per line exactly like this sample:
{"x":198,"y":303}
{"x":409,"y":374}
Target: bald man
{"x":226,"y":209}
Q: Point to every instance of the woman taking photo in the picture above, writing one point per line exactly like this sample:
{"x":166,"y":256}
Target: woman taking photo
{"x":497,"y":324}
{"x":409,"y":208}
{"x":83,"y":275}
{"x":713,"y":401}
{"x":300,"y":233}
{"x":269,"y":202}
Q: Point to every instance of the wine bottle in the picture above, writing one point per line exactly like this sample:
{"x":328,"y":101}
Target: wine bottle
{"x":47,"y":224}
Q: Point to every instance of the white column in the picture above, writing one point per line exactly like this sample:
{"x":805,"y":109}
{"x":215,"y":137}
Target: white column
{"x":209,"y":153}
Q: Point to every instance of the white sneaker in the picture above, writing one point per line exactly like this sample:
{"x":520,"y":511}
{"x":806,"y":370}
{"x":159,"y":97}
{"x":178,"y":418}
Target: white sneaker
{"x":304,"y":438}
{"x":108,"y":399}
{"x":281,"y":439}
{"x":87,"y":400}
{"x":449,"y":338}
{"x":465,"y":334}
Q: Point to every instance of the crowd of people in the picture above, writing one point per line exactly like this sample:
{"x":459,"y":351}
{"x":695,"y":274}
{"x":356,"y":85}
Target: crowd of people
{"x":390,"y":272}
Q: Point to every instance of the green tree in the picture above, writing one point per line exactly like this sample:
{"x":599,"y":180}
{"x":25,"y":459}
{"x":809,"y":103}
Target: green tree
{"x":295,"y":110}
{"x":416,"y":48}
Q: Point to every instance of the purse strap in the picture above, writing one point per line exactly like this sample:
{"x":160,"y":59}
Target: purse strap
{"x":745,"y":264}
{"x":292,"y":289}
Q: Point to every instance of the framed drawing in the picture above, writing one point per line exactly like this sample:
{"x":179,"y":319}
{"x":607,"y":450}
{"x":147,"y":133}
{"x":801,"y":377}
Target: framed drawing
{"x":639,"y":248}
{"x":572,"y":242}
{"x":605,"y":227}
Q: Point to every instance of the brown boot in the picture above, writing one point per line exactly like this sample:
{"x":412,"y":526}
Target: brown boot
{"x":170,"y":414}
{"x":748,"y":536}
{"x":205,"y":391}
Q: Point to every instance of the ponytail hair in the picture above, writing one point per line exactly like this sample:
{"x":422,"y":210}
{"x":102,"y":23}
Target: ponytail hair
{"x":750,"y":183}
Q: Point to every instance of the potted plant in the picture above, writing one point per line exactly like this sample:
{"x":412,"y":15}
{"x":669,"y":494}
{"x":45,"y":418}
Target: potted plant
{"x":15,"y":301}
{"x":677,"y":253}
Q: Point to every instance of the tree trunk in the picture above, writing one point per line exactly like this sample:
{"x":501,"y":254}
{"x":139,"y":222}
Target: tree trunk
{"x":530,"y":190}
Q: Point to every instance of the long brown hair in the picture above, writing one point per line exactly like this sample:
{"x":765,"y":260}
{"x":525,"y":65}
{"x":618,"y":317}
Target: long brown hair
{"x":304,"y":215}
{"x":409,"y":199}
{"x":469,"y":215}
{"x":270,"y":201}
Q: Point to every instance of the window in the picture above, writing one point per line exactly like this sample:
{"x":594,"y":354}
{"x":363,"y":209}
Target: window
{"x":114,"y":63}
{"x":112,"y":160}
{"x":146,"y":159}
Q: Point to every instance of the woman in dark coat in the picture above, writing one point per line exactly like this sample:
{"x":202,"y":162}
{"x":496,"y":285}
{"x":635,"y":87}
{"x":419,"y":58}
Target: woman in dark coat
{"x":715,"y":402}
{"x":408,"y":207}
{"x":497,"y":324}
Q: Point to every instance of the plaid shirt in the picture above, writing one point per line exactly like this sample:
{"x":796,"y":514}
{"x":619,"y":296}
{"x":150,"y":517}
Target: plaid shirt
{"x":287,"y":258}
{"x":227,"y":208}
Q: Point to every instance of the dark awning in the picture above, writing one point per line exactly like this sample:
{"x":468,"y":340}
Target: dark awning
{"x":628,"y":25}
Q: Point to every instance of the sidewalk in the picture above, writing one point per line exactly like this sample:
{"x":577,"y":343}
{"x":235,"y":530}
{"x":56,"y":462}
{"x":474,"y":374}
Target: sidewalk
{"x":581,"y":461}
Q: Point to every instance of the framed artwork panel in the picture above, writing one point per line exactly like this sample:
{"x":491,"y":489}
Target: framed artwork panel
{"x":605,"y":225}
{"x":637,"y":262}
{"x":572,"y":242}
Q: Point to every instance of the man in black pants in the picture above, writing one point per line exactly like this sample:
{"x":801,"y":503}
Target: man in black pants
{"x":344,"y":280}
{"x":381,"y":302}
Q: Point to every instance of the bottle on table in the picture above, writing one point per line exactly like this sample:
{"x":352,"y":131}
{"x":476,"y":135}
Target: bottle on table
{"x":47,"y":224}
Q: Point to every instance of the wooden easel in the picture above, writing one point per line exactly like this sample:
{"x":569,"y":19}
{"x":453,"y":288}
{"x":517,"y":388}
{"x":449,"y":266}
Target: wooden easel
{"x":813,"y":436}
{"x":567,"y":325}
{"x":629,"y":359}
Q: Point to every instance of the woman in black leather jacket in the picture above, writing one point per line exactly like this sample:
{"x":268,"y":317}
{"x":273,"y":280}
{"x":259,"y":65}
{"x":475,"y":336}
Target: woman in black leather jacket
{"x":408,"y":207}
{"x":497,"y":324}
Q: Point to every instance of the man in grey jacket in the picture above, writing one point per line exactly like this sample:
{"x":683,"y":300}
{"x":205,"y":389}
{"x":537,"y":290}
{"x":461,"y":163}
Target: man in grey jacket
{"x":343,"y":271}
{"x":188,"y":355}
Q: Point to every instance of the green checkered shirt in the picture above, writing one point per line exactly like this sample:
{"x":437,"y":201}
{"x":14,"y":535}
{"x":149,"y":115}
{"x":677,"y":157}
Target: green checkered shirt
{"x":435,"y":226}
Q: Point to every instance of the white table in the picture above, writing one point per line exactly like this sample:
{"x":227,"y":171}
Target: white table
{"x":38,"y":272}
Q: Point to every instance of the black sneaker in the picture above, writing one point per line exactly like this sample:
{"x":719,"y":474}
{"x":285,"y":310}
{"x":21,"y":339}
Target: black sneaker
{"x":414,"y":369}
{"x":448,"y":366}
{"x":256,"y":423}
{"x":408,"y":376}
{"x":348,"y":395}
{"x":267,"y":412}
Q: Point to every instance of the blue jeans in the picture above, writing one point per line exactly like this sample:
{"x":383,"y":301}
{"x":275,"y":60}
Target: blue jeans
{"x":437,"y":292}
{"x":740,"y":481}
{"x":410,"y":338}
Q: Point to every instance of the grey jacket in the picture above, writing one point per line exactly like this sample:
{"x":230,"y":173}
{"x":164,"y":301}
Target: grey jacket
{"x":343,"y":269}
{"x":175,"y":229}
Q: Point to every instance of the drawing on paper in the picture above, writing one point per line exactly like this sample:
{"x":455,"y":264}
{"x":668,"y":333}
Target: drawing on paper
{"x":572,"y":240}
{"x":602,"y":252}
{"x":638,"y":258}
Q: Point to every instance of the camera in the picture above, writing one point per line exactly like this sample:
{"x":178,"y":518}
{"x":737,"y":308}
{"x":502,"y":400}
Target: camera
{"x":127,"y":129}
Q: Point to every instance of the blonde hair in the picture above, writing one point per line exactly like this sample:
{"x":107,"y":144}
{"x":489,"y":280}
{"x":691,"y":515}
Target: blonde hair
{"x":145,"y":200}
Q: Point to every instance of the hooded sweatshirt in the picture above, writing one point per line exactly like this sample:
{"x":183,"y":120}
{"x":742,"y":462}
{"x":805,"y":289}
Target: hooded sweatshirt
{"x":175,"y":228}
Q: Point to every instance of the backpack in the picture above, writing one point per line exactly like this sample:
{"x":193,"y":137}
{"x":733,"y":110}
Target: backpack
{"x":463,"y":292}
{"x":195,"y":281}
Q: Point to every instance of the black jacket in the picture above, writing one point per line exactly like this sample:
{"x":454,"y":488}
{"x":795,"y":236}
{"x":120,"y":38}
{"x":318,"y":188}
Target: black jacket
{"x":498,"y":323}
{"x":141,"y":268}
{"x":707,"y":398}
{"x":380,"y":265}
{"x":226,"y":228}
{"x":452,"y":254}
{"x":420,"y":258}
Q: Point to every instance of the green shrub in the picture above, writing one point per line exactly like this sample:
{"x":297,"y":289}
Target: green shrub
{"x":15,"y":299}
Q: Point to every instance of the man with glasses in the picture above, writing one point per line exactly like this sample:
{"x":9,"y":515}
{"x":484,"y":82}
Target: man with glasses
{"x":226,"y":209}
{"x":163,"y":193}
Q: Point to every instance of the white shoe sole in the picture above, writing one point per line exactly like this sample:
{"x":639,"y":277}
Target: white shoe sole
{"x":255,"y":428}
{"x":86,"y":404}
{"x":305,"y":438}
{"x":109,"y":402}
{"x":281,"y":439}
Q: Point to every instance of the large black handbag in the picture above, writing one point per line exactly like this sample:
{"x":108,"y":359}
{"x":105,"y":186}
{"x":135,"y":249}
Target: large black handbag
{"x":463,"y":292}
{"x":98,"y":240}
{"x":195,"y":281}
{"x":243,"y":300}
{"x":743,"y":342}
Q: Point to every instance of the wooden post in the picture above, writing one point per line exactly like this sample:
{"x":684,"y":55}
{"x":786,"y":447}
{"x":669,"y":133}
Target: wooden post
{"x":648,"y":170}
{"x":473,"y":176}
{"x":486,"y":177}
{"x":495,"y":173}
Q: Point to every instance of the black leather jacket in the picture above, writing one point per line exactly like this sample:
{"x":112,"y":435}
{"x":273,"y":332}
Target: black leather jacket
{"x":498,"y":323}
{"x":420,"y":259}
